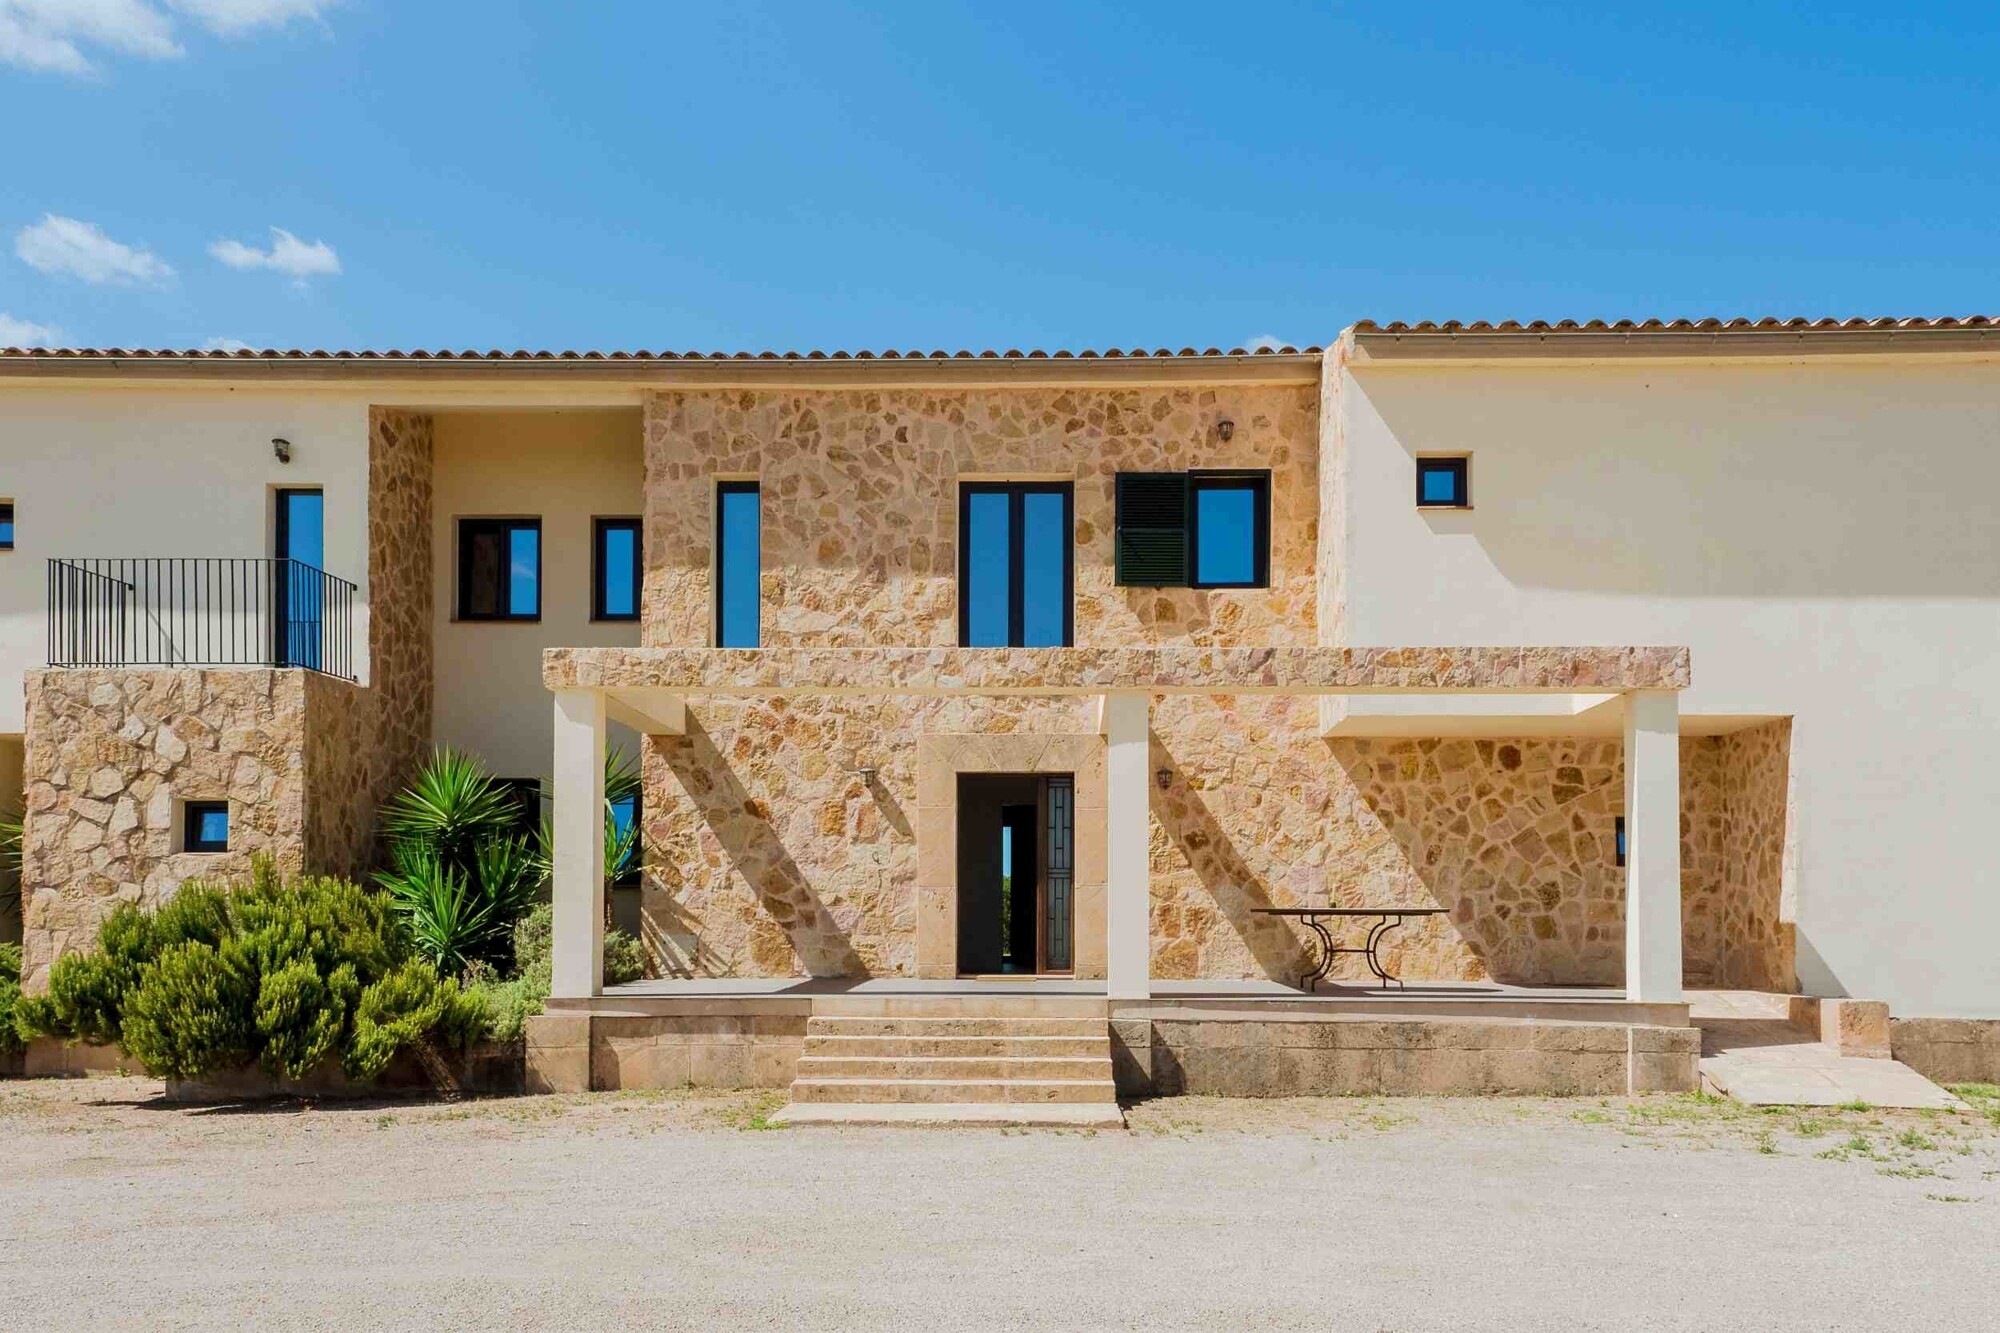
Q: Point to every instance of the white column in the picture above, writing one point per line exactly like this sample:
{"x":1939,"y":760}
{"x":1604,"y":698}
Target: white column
{"x":1128,"y":869}
{"x":578,"y":872}
{"x":1652,"y":846}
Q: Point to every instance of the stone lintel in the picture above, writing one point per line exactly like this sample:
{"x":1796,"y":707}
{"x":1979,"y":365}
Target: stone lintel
{"x":1075,"y":671}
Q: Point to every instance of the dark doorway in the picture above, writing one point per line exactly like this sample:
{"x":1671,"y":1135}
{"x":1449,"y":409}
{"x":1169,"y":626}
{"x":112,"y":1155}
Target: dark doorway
{"x":1015,"y":861}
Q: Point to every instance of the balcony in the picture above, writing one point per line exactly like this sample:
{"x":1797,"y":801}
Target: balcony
{"x":194,"y":611}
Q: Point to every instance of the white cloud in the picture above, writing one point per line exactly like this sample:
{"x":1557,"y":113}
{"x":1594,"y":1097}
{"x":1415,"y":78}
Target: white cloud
{"x":233,"y":17}
{"x":53,"y":35}
{"x":22,"y":333}
{"x":226,"y":345}
{"x":1265,"y":340}
{"x":288,"y":254}
{"x":82,"y":250}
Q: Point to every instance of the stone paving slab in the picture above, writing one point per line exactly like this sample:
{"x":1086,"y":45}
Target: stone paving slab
{"x":1765,"y":1069}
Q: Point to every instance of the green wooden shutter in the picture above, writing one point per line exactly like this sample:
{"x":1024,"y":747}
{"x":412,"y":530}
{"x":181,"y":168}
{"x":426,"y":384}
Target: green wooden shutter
{"x":1152,"y":516}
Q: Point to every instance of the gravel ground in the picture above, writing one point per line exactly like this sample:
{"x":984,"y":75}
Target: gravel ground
{"x":625,"y":1211}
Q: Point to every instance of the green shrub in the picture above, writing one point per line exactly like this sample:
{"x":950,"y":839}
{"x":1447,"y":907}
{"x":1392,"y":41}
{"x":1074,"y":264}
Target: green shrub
{"x":281,"y":975}
{"x":510,"y":1003}
{"x":10,"y":992}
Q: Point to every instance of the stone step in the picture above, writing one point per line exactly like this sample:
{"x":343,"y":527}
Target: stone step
{"x":901,"y":1046}
{"x":1066,"y":1115}
{"x":832,"y":1025}
{"x":992,"y":1091}
{"x":960,"y":1006}
{"x":955,"y":1067}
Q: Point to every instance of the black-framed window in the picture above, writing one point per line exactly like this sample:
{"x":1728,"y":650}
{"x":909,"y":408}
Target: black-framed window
{"x":615,"y":568}
{"x":1618,"y":837}
{"x":1016,"y":564}
{"x":205,"y":826}
{"x":6,"y":525}
{"x":739,"y":564}
{"x":1202,"y":529}
{"x":526,"y":794}
{"x":1443,"y":483}
{"x":1229,"y":529}
{"x":500,"y":569}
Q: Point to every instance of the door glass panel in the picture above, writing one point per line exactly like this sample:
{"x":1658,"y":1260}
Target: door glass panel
{"x":1044,"y":568}
{"x":987,"y":586}
{"x":1059,"y":871}
{"x":300,"y":588}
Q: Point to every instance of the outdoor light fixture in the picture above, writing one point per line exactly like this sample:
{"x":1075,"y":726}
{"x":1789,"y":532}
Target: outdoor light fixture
{"x":1165,"y":777}
{"x":1224,"y":429}
{"x":867,"y":776}
{"x":283,"y":449}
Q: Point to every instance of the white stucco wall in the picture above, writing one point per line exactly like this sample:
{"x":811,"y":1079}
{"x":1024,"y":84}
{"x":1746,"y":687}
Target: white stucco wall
{"x":1822,"y":535}
{"x":102,"y":470}
{"x":565,"y":466}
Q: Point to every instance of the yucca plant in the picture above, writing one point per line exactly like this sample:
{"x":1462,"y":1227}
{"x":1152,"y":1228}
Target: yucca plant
{"x":461,"y":873}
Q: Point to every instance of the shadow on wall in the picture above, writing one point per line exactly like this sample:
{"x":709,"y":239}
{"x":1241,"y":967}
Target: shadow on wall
{"x":1235,"y":889}
{"x":793,"y":929}
{"x":1756,"y":481}
{"x":1515,"y":839}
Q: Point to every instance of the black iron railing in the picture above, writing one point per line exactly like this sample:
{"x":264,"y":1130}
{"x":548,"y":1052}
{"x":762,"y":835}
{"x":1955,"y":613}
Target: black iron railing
{"x":199,"y":611}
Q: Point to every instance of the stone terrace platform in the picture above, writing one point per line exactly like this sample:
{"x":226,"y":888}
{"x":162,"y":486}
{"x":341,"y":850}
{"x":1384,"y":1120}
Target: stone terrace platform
{"x":1223,"y":1038}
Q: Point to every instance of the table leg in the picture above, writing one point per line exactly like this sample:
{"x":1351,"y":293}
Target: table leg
{"x":1375,"y":934}
{"x":1324,"y":964}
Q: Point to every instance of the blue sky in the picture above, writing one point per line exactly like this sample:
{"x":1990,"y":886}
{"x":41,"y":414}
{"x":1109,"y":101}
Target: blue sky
{"x":753,"y":175}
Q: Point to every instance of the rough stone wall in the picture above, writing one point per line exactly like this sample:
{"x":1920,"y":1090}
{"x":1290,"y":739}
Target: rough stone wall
{"x":109,"y":754}
{"x":400,"y":457}
{"x":342,"y":774}
{"x":767,"y":854}
{"x":1737,"y":852}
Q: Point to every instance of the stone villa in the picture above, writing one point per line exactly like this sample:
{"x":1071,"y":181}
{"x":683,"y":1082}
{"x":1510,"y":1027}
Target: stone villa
{"x":1020,"y":688}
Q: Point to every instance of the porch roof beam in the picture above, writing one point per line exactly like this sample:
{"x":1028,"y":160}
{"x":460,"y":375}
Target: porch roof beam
{"x":655,"y":676}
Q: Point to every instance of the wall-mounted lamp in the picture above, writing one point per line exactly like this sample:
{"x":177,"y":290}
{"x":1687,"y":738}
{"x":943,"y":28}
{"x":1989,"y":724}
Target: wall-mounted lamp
{"x":1224,"y":429}
{"x":283,"y":449}
{"x":1165,"y":777}
{"x":867,"y":776}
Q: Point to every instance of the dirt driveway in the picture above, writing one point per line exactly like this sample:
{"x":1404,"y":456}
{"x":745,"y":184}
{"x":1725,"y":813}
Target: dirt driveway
{"x":621,"y":1211}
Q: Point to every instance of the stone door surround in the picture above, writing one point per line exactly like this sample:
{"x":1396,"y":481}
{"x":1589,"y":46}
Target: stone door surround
{"x":940,"y":759}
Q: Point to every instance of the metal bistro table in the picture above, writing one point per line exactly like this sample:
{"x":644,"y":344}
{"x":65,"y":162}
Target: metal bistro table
{"x":1315,"y":919}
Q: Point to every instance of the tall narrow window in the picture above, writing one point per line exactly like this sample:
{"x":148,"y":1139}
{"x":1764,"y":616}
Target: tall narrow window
{"x":614,"y":569}
{"x":6,"y":525}
{"x":499,"y":569}
{"x":739,"y":560}
{"x":624,"y":838}
{"x":1016,"y":564}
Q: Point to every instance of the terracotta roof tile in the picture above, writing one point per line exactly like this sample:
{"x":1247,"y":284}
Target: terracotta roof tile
{"x":1709,"y":325}
{"x":441,"y":354}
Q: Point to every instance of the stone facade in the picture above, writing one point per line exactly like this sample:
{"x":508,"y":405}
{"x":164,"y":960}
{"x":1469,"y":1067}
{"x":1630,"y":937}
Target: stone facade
{"x":303,"y":759}
{"x":769,"y":855}
{"x":400,"y":453}
{"x":113,"y":754}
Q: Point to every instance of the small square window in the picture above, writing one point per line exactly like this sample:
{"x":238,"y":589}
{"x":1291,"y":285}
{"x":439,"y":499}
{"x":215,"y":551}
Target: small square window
{"x":6,"y":525}
{"x":1619,"y":834}
{"x":499,"y":569}
{"x":1442,"y":484}
{"x":614,"y":569}
{"x":205,"y":826}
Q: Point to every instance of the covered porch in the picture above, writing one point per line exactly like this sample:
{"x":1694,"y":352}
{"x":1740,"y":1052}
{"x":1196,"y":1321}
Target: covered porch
{"x":651,"y":689}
